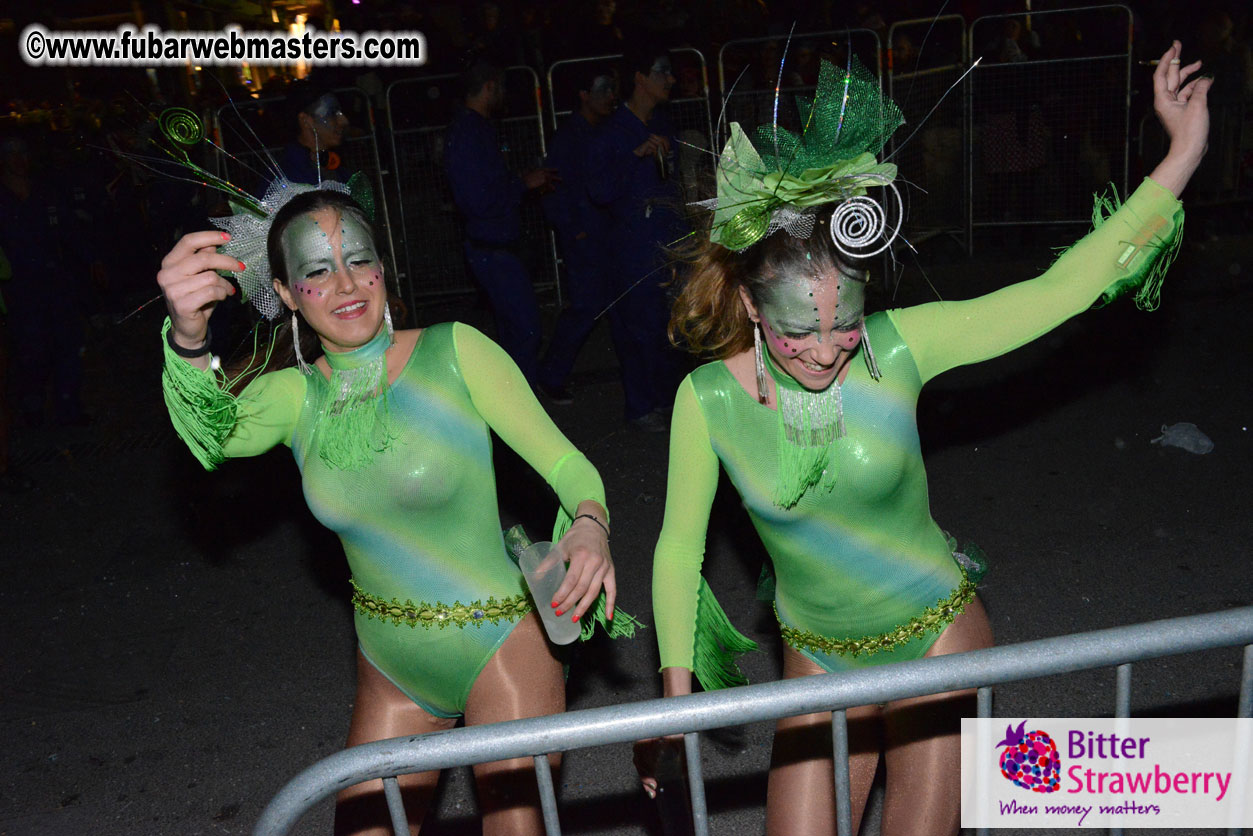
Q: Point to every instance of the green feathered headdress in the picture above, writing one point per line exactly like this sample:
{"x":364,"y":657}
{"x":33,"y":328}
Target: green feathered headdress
{"x":778,"y":179}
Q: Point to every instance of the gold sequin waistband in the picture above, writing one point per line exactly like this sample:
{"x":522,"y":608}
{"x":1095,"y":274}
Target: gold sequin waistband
{"x":932,"y":619}
{"x":439,"y":615}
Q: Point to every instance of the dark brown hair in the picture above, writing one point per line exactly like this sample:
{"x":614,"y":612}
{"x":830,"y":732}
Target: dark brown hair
{"x":278,"y":345}
{"x":708,"y":316}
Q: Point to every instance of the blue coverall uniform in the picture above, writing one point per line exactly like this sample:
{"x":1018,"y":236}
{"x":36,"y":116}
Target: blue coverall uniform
{"x":489,"y":197}
{"x":644,"y":211}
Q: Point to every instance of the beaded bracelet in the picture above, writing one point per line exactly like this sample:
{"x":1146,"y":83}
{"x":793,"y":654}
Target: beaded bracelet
{"x":190,"y":353}
{"x":593,"y":519}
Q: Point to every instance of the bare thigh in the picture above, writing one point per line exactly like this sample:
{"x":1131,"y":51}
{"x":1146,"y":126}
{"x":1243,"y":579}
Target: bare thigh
{"x":381,"y":711}
{"x":800,"y":796}
{"x":923,"y":742}
{"x":523,"y":679}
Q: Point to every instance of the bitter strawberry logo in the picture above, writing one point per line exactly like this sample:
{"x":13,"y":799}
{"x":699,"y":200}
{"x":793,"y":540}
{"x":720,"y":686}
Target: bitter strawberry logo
{"x":1030,"y":759}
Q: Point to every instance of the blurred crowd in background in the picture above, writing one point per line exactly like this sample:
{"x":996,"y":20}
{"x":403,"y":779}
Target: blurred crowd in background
{"x":104,"y":219}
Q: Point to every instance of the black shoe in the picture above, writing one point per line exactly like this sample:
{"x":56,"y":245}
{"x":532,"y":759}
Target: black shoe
{"x":556,"y":395}
{"x":653,"y":422}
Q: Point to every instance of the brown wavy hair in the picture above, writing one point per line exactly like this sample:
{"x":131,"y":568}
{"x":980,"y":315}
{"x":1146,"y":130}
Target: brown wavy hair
{"x":708,"y":317}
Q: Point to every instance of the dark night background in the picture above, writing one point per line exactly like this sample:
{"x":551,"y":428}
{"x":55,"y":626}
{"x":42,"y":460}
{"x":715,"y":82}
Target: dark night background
{"x":176,"y":644}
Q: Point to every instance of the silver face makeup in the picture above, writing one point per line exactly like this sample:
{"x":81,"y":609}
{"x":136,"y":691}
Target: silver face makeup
{"x":311,"y":251}
{"x":812,"y":326}
{"x":603,"y":85}
{"x":326,"y":109}
{"x":792,"y":310}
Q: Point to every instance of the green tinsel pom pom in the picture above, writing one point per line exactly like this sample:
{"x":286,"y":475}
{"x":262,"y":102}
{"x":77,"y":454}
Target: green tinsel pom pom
{"x":203,"y":414}
{"x":718,"y":644}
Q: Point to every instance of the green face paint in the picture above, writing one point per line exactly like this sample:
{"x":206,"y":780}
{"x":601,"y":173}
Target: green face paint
{"x":798,"y":308}
{"x":319,"y":245}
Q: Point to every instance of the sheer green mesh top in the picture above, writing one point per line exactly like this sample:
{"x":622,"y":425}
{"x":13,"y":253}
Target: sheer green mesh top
{"x":421,"y":522}
{"x":867,"y":556}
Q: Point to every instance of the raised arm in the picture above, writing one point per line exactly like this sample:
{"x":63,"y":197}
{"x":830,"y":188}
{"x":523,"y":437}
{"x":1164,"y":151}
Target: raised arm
{"x":214,"y":424}
{"x":505,"y":401}
{"x":1182,"y":108}
{"x":1128,"y":249}
{"x":192,"y":288}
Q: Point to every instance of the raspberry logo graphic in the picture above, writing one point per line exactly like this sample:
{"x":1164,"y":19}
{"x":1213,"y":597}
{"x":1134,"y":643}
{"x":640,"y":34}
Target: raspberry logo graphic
{"x":1030,"y":759}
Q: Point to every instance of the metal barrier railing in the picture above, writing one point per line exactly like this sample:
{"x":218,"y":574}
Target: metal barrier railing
{"x":1045,"y":134}
{"x":253,"y":128}
{"x":688,"y":715}
{"x":419,"y":111}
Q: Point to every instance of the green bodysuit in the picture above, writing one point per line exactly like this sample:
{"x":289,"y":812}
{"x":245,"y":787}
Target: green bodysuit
{"x":435,"y":591}
{"x":859,"y":565}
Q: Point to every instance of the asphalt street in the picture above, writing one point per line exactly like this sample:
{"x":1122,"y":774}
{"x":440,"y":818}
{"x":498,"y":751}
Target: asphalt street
{"x":176,"y":644}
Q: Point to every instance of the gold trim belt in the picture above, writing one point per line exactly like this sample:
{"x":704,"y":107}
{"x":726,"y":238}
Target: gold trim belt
{"x":437,"y":614}
{"x":932,"y":619}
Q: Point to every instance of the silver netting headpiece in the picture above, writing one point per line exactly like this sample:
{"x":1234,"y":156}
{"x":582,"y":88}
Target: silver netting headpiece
{"x":250,"y":232}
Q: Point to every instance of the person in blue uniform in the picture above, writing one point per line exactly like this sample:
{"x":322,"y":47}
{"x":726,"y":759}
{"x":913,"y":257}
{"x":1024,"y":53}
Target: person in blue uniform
{"x":489,"y":197}
{"x":581,"y":227}
{"x":630,"y":174}
{"x":311,"y":156}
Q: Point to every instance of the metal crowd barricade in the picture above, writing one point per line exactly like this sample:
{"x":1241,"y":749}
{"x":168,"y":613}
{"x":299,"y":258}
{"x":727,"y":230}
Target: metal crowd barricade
{"x":689,"y":715}
{"x":926,"y":58}
{"x":1045,"y":133}
{"x":252,"y":129}
{"x":748,"y":70}
{"x":430,"y":230}
{"x":689,"y":109}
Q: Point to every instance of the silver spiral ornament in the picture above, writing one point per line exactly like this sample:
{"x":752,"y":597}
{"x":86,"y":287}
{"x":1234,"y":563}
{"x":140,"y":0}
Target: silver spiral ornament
{"x":858,"y":222}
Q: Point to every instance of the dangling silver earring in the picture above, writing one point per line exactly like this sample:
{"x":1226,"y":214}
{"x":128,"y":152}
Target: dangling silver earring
{"x":760,"y":359}
{"x":387,"y":320}
{"x":871,"y":364}
{"x":295,"y":341}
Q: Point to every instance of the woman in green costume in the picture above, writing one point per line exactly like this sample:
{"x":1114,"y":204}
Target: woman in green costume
{"x":824,"y":450}
{"x":391,"y":431}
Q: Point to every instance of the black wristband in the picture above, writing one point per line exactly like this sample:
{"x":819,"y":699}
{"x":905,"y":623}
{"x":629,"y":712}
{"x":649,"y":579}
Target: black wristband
{"x":190,"y":353}
{"x":593,"y":519}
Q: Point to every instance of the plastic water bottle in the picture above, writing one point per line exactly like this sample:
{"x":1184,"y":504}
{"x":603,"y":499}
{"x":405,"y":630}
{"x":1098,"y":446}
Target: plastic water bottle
{"x":544,"y":567}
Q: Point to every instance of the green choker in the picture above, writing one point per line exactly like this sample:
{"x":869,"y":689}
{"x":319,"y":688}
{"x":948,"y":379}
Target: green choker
{"x":355,"y":405}
{"x":361,"y":355}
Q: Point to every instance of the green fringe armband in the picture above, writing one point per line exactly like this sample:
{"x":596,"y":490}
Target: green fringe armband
{"x":1144,"y":260}
{"x":717,"y":644}
{"x":203,"y":414}
{"x":623,"y":625}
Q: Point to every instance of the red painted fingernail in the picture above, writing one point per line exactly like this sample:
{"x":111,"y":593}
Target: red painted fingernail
{"x":558,"y":612}
{"x":232,"y":290}
{"x":554,"y":604}
{"x":574,"y":618}
{"x":226,"y":236}
{"x":242,"y":266}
